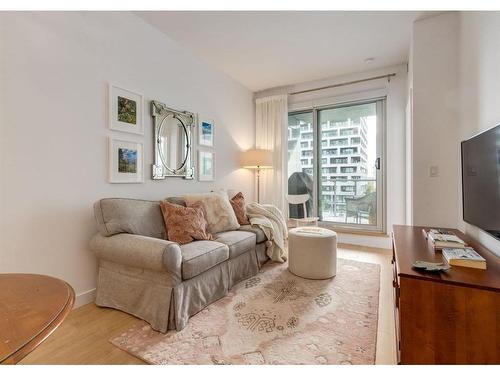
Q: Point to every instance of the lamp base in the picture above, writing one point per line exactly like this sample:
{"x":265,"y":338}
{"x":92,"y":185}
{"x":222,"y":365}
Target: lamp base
{"x":258,"y":185}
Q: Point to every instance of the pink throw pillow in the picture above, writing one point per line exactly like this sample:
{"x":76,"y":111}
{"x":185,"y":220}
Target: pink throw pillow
{"x":185,"y":224}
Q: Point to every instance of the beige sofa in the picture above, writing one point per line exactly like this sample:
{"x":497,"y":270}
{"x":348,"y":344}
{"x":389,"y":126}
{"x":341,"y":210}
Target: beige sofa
{"x":157,"y":280}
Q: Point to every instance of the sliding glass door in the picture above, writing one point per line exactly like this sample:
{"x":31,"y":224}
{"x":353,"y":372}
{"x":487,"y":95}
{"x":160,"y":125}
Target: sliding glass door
{"x":335,"y":155}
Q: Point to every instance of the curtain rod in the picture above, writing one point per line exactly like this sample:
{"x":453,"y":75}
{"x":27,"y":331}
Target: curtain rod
{"x":388,"y":76}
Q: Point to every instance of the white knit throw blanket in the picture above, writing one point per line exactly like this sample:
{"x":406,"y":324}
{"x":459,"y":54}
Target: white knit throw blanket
{"x":270,"y":219}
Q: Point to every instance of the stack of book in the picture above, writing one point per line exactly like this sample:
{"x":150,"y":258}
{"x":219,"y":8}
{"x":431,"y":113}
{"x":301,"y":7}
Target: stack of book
{"x":455,"y":251}
{"x":440,"y":239}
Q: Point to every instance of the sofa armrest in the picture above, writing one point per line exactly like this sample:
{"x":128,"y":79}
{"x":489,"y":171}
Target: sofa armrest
{"x":139,"y":251}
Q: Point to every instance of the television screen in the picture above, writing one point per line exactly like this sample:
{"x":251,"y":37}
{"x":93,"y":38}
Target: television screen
{"x":481,"y":181}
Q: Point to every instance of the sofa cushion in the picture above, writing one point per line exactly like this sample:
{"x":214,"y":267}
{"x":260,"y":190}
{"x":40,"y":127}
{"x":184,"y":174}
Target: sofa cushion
{"x":261,"y":236}
{"x":238,"y":242}
{"x":134,"y":216}
{"x":199,"y":256}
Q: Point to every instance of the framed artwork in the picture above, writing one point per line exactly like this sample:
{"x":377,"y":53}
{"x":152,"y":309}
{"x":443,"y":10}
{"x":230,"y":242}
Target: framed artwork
{"x":206,"y":133}
{"x":206,"y":166}
{"x":125,"y":161}
{"x":126,"y":109}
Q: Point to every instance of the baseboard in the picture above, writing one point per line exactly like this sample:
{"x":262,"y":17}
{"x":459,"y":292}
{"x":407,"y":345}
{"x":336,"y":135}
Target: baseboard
{"x":361,"y":240}
{"x":84,"y":298}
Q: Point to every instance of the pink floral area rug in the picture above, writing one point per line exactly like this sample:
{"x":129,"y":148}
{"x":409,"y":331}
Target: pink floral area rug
{"x":275,"y":318}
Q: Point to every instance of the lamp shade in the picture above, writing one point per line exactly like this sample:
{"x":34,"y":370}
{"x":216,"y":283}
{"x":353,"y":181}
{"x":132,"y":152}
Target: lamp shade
{"x":257,"y":158}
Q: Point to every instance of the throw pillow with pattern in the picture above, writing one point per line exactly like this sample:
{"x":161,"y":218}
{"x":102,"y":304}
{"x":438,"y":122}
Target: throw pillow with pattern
{"x":239,"y":207}
{"x":185,"y":224}
{"x":218,"y":211}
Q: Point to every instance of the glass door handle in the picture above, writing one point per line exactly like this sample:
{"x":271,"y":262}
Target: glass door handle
{"x":377,"y":163}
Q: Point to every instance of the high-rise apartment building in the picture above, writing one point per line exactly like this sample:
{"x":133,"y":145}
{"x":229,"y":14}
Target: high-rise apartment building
{"x":342,"y":160}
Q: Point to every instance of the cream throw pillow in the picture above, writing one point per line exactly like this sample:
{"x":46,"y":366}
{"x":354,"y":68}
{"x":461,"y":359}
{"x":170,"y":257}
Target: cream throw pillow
{"x":218,"y":211}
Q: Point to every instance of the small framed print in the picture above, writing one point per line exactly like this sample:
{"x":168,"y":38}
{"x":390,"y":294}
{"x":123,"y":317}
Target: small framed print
{"x":126,"y":109}
{"x":125,"y":161}
{"x":206,"y":133}
{"x":206,"y":166}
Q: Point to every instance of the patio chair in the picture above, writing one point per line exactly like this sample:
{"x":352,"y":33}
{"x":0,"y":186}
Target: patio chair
{"x":301,"y":199}
{"x":362,"y":207}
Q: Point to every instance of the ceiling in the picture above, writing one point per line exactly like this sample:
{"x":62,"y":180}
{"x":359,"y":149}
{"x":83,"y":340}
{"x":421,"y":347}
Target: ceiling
{"x":269,"y":49}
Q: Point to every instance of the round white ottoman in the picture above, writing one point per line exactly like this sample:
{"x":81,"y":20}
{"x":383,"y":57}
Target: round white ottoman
{"x":312,"y":252}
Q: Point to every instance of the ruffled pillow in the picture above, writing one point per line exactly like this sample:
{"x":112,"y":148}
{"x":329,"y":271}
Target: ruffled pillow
{"x":185,"y":224}
{"x":239,"y":208}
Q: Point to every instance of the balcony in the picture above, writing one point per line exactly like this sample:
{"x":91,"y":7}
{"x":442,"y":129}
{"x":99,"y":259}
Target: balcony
{"x":356,"y":207}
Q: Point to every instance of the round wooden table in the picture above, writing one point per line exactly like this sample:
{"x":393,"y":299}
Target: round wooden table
{"x":31,"y":308}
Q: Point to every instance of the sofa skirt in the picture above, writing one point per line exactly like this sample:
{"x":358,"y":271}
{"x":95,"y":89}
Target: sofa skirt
{"x":143,"y":293}
{"x":149,"y":296}
{"x":193,"y":295}
{"x":261,"y":252}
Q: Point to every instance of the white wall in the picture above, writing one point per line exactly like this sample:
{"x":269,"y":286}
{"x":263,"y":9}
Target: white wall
{"x":409,"y":140}
{"x":53,"y":73}
{"x":435,"y":120}
{"x":455,"y":61}
{"x":395,"y":141}
{"x":479,"y":68}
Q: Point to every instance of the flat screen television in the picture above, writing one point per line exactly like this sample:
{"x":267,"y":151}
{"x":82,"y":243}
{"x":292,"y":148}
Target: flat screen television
{"x":481,"y":181}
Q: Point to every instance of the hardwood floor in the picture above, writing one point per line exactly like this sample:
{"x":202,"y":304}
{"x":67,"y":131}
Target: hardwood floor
{"x":83,"y":337}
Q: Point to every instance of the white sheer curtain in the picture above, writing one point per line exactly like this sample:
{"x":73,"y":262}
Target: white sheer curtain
{"x":271,"y":134}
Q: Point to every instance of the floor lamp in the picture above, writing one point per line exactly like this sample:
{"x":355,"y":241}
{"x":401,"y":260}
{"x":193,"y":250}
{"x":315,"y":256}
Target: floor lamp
{"x":257,"y":159}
